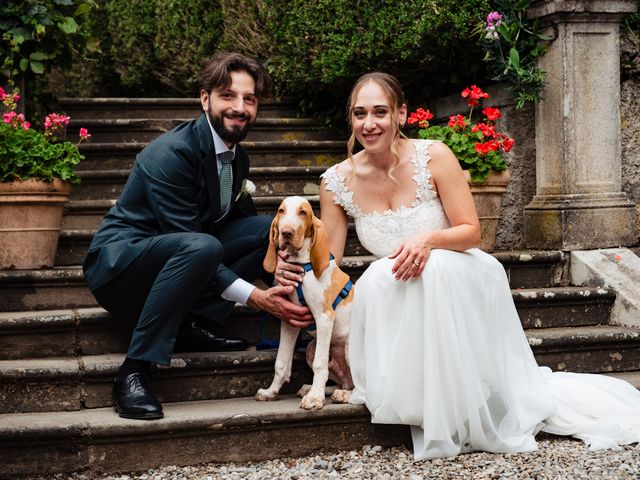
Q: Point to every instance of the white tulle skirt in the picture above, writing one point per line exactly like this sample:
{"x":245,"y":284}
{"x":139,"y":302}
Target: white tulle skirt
{"x":446,"y":354}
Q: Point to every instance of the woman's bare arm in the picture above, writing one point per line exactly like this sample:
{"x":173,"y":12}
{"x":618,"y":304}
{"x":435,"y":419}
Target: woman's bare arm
{"x":335,"y":222}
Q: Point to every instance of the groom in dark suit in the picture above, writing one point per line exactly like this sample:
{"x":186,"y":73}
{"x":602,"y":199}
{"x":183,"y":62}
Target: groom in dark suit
{"x":183,"y":242}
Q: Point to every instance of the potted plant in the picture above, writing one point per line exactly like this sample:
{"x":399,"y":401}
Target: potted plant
{"x":36,"y":173}
{"x":480,"y":149}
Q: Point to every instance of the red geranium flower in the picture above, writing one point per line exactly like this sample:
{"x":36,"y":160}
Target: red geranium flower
{"x":507,"y":144}
{"x":488,"y":131}
{"x":492,"y":114}
{"x":457,"y":121}
{"x":420,"y":116}
{"x":474,"y":94}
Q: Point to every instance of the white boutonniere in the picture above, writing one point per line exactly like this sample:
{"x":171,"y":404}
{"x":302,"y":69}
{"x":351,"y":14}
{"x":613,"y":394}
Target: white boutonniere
{"x":248,"y":187}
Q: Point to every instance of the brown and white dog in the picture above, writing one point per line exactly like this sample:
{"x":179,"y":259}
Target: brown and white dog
{"x":298,"y":231}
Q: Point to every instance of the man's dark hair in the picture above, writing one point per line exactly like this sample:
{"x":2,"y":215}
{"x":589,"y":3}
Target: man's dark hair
{"x":216,"y":74}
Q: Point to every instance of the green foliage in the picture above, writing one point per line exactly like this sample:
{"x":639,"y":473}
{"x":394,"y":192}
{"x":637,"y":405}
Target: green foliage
{"x":132,"y":30}
{"x":479,"y":147}
{"x":37,"y":34}
{"x":187,"y":35}
{"x":512,"y":47}
{"x":28,"y":154}
{"x":157,"y":47}
{"x":462,"y":142}
{"x":319,"y":48}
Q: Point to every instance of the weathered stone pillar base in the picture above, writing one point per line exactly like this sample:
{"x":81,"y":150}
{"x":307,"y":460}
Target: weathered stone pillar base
{"x":580,"y":221}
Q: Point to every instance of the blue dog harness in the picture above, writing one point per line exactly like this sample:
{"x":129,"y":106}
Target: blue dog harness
{"x":343,"y":293}
{"x":267,"y":343}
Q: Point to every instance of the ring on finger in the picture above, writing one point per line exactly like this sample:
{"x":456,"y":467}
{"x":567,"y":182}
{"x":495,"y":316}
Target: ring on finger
{"x":417,"y":264}
{"x":282,"y":274}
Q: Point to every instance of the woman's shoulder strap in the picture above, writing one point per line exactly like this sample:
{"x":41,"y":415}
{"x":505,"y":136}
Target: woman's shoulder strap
{"x":336,"y":184}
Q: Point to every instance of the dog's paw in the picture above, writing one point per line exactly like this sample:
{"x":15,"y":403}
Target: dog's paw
{"x":341,"y":396}
{"x":312,"y":402}
{"x":304,"y":390}
{"x":266,"y":395}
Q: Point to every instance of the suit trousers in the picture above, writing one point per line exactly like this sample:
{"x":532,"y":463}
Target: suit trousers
{"x":175,"y":278}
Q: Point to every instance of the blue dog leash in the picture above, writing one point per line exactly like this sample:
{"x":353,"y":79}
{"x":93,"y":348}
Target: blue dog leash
{"x":270,"y":343}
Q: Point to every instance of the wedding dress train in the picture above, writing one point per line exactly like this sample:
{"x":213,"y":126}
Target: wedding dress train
{"x":446,"y":353}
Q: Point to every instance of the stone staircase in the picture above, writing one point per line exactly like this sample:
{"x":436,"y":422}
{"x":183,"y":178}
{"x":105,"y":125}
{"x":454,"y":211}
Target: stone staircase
{"x":60,"y":350}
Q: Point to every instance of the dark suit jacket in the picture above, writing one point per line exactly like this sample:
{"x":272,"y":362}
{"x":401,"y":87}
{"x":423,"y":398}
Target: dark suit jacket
{"x":173,"y":187}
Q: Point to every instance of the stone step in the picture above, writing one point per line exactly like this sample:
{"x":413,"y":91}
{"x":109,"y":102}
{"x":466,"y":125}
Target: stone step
{"x":93,"y":331}
{"x":233,"y":430}
{"x":72,"y":383}
{"x":136,"y":130}
{"x":64,"y":287}
{"x":302,"y":153}
{"x":87,"y":214}
{"x":73,"y":245}
{"x":124,"y":108}
{"x":269,"y":181}
{"x":594,"y":349}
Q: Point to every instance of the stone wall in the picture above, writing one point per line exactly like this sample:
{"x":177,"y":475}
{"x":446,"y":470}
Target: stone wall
{"x":520,"y":124}
{"x":630,"y":118}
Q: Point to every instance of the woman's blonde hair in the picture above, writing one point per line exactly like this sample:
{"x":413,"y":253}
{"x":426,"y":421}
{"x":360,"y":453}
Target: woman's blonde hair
{"x":393,"y":90}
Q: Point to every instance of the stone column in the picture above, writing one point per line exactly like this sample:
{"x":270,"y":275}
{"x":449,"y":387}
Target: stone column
{"x":579,"y":203}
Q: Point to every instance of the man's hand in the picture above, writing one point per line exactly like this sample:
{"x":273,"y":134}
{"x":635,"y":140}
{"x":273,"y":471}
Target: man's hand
{"x":275,"y":301}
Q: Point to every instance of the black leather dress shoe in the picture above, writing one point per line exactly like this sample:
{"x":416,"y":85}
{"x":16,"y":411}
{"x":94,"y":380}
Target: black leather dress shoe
{"x":193,"y":338}
{"x":133,"y":398}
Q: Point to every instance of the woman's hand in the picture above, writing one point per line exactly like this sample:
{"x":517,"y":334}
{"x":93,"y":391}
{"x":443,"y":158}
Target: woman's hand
{"x":411,"y":257}
{"x":287,"y":274}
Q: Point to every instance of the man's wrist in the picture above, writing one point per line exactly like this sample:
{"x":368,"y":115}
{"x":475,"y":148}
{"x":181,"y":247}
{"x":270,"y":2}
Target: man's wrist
{"x":255,"y":298}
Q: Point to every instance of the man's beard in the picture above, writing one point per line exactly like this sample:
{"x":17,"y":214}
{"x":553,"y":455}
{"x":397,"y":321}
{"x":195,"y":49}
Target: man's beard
{"x":231,"y":135}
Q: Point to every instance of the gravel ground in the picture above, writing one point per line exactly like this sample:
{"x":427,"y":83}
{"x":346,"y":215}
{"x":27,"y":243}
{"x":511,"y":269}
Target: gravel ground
{"x":557,"y":459}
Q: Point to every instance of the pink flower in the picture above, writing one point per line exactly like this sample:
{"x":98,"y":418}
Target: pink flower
{"x":26,"y":125}
{"x":84,"y":134}
{"x":16,"y":97}
{"x":8,"y":117}
{"x":494,"y":19}
{"x":54,"y":120}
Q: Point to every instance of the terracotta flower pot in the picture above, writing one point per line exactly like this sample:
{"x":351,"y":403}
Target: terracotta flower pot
{"x":488,"y":198}
{"x":30,"y":219}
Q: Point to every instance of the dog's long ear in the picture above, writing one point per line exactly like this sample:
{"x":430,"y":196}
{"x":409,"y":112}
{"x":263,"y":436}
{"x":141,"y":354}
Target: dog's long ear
{"x":271,"y":258}
{"x":319,"y":248}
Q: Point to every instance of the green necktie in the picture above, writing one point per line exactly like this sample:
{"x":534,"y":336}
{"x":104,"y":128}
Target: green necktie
{"x":226,"y":180}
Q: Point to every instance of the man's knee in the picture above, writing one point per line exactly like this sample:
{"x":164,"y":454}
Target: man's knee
{"x":201,"y":247}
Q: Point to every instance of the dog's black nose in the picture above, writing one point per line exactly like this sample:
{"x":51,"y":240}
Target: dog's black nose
{"x":287,"y":233}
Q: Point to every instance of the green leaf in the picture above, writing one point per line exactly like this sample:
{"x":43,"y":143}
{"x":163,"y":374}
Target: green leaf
{"x":37,"y":67}
{"x":68,"y":25}
{"x":514,"y":57}
{"x":63,"y":2}
{"x":82,"y":9}
{"x":37,"y":56}
{"x":24,"y":63}
{"x":93,"y":45}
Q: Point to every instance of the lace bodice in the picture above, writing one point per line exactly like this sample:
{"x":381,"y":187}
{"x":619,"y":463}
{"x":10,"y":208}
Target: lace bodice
{"x":381,"y":233}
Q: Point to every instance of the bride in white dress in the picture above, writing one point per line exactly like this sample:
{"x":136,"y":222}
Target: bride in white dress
{"x":436,"y":342}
